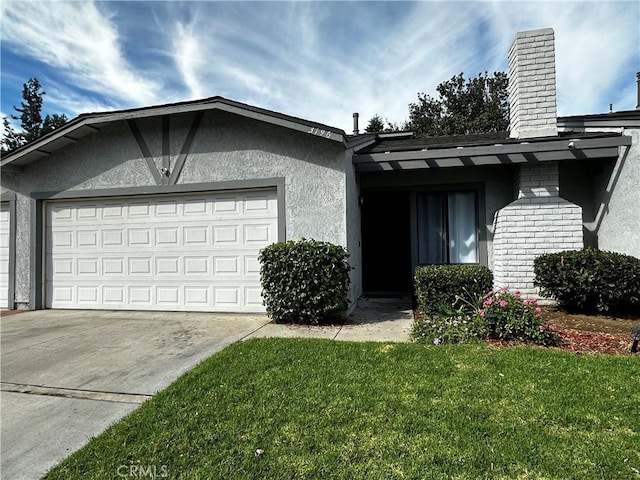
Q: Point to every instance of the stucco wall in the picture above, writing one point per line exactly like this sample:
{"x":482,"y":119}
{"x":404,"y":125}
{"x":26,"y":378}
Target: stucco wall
{"x":607,"y":191}
{"x":619,"y":206}
{"x":226,"y":147}
{"x":23,"y":260}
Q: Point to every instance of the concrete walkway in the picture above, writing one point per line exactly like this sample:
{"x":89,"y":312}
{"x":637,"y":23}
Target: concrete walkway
{"x":67,"y":375}
{"x":374,"y":320}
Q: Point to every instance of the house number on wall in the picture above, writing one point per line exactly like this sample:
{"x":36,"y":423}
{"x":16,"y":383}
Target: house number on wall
{"x":320,"y":132}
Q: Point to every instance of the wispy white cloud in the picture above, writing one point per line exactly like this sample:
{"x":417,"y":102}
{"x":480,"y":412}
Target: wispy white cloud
{"x":316,"y":60}
{"x":323,"y":61}
{"x":81,"y":42}
{"x":596,"y":48}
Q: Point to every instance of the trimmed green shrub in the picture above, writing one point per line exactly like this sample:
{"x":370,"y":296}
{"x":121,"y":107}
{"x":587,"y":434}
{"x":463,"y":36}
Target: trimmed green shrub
{"x":305,"y":281}
{"x":590,"y":280}
{"x":437,"y":285}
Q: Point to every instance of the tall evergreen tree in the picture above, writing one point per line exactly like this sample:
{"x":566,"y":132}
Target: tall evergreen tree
{"x":376,"y":124}
{"x":31,"y":110}
{"x":33,"y":126}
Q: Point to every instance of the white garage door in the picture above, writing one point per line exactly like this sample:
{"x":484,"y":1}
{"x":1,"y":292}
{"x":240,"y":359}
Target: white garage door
{"x":4,"y":255}
{"x":190,"y":252}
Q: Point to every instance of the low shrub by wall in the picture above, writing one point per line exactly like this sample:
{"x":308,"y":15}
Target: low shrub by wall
{"x":437,"y":285}
{"x":590,"y":280}
{"x":305,"y":281}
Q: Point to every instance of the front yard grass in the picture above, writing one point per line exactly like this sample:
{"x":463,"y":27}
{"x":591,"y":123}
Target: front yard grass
{"x":300,"y":408}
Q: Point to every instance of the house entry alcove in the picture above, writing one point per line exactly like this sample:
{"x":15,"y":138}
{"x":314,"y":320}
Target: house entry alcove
{"x":386,"y":243}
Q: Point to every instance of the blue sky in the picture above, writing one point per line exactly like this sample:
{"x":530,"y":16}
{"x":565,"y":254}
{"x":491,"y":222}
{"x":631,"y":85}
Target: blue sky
{"x":317,"y":60}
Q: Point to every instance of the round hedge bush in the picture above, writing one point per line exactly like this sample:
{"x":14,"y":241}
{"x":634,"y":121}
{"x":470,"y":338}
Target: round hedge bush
{"x":590,"y":280}
{"x":304,"y":281}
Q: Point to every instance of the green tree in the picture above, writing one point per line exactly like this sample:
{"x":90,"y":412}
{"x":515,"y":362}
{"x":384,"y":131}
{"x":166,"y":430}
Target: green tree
{"x":53,"y":122}
{"x":477,"y":105}
{"x":31,"y":109}
{"x":10,"y":138}
{"x":376,"y":124}
{"x":31,"y":122}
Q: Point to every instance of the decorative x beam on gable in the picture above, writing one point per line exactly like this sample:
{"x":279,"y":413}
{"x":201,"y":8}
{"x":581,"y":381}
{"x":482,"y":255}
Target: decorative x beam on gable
{"x":166,"y":175}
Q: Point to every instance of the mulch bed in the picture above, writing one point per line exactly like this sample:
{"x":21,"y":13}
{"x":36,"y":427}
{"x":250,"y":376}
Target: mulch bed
{"x":580,"y":341}
{"x":588,"y":333}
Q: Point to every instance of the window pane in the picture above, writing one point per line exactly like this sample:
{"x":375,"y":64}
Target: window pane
{"x":463,"y":235}
{"x":431,"y":228}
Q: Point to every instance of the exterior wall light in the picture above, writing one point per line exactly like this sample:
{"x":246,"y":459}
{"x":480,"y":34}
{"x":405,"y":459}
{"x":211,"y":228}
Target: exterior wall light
{"x":635,"y":335}
{"x":492,"y":320}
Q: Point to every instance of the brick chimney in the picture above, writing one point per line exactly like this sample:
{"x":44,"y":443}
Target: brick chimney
{"x":532,"y":85}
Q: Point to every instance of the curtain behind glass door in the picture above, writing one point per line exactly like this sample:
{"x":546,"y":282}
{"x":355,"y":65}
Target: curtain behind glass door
{"x":432,"y":231}
{"x":463,"y":235}
{"x":447,"y":228}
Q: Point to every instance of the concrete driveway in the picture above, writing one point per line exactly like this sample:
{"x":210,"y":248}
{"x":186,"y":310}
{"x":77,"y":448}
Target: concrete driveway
{"x":67,"y":375}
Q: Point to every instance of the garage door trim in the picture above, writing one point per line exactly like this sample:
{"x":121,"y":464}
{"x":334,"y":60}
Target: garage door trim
{"x":10,"y":199}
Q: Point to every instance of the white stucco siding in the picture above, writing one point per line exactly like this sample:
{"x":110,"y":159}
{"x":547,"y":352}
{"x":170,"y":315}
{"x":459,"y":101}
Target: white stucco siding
{"x":619,"y":214}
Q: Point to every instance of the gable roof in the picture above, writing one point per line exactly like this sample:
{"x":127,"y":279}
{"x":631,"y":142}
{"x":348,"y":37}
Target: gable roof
{"x":87,"y":123}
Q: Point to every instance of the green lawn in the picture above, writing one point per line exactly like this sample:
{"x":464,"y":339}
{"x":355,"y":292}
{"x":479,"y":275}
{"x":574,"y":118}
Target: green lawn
{"x":325,"y":409}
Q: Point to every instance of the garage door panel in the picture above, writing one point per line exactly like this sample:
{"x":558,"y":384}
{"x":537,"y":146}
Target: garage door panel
{"x":88,"y":267}
{"x":197,"y":265}
{"x":180,"y":253}
{"x":88,"y":294}
{"x":5,"y":221}
{"x":139,"y":266}
{"x":226,"y":206}
{"x":62,"y":213}
{"x":140,"y":296}
{"x":196,"y":235}
{"x":197,"y":296}
{"x":112,"y":238}
{"x":113,"y":295}
{"x":63,"y":294}
{"x":197,"y":206}
{"x":224,"y":235}
{"x":113,"y":211}
{"x":113,"y":266}
{"x":253,"y":296}
{"x":167,"y":208}
{"x":87,"y":212}
{"x":167,"y":266}
{"x":260,"y":233}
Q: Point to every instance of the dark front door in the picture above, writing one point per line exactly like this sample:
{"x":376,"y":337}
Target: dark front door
{"x":386,"y":243}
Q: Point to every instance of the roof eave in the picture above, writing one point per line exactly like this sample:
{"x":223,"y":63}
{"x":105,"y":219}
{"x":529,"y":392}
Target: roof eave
{"x":523,"y":152}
